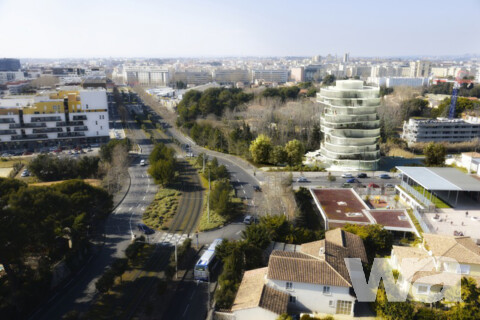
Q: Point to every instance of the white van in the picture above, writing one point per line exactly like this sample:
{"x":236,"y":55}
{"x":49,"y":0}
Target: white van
{"x":142,"y":162}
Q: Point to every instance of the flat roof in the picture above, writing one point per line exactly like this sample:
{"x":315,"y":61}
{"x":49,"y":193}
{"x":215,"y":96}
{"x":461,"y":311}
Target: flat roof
{"x":396,"y":220}
{"x":448,"y":179}
{"x":341,"y":205}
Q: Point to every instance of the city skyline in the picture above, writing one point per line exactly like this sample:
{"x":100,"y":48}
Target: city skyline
{"x":53,"y":29}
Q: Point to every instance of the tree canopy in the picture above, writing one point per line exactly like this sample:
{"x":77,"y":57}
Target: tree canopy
{"x":434,"y":154}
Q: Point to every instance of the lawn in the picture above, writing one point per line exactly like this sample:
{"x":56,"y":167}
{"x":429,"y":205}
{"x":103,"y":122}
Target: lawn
{"x":162,"y":209}
{"x":92,"y":182}
{"x":436,"y":201}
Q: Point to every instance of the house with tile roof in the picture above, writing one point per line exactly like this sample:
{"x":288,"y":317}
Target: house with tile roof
{"x":442,"y":261}
{"x":314,"y":279}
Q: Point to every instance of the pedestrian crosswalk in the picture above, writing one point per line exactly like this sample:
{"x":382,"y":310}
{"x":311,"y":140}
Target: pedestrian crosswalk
{"x":170,"y":238}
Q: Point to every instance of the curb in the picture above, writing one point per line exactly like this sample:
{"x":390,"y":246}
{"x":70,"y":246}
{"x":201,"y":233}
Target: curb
{"x":126,"y":192}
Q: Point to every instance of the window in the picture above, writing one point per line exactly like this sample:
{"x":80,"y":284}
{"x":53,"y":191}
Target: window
{"x":344,"y":307}
{"x":293,"y":299}
{"x":96,"y":123}
{"x":326,"y":290}
{"x":288,"y":286}
{"x":422,"y":289}
{"x":463,"y":269}
{"x":331,"y":303}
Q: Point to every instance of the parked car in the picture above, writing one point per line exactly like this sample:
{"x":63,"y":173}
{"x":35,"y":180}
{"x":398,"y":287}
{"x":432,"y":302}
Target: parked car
{"x":302,"y":179}
{"x":146,"y":230}
{"x":373,"y":185}
{"x":384,"y":176}
{"x":25,"y":173}
{"x":5,"y":155}
{"x":389,"y":185}
{"x":248,"y":220}
{"x":362,"y":175}
{"x":351,"y":180}
{"x":257,"y":188}
{"x":142,"y":162}
{"x":346,"y":185}
{"x":347,"y":175}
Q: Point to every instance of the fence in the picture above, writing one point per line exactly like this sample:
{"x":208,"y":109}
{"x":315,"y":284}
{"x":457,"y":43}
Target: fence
{"x":417,"y":194}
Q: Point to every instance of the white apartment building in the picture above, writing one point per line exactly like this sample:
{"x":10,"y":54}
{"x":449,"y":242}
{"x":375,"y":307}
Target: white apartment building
{"x":274,"y":75}
{"x":145,"y":75}
{"x":391,"y":82}
{"x":70,"y":116}
{"x":440,"y":130}
{"x":230,"y":76}
{"x":351,"y":126}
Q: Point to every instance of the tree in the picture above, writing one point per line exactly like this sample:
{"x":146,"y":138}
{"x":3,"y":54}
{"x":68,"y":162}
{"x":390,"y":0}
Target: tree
{"x":163,"y":171}
{"x":260,"y":149}
{"x":295,"y":151}
{"x":376,"y":239}
{"x":257,"y":235}
{"x":434,"y":154}
{"x":329,"y":79}
{"x":278,"y":155}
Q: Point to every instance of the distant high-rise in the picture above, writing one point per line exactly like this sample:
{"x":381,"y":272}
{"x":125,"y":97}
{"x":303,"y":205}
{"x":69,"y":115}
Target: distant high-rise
{"x":346,"y":57}
{"x":317,"y":58}
{"x":350,"y":125}
{"x":10,"y":64}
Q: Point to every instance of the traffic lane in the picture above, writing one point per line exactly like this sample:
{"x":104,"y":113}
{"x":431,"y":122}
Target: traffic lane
{"x":323,"y":181}
{"x":79,"y":292}
{"x":189,"y":302}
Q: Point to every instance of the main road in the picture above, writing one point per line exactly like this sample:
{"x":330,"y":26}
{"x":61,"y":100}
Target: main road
{"x":120,"y":226}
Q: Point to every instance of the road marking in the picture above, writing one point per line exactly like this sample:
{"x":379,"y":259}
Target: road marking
{"x":184,"y":312}
{"x":143,"y":197}
{"x":130,"y":209}
{"x":193,"y":293}
{"x":238,"y":180}
{"x":244,"y":191}
{"x":238,"y":232}
{"x":143,"y":176}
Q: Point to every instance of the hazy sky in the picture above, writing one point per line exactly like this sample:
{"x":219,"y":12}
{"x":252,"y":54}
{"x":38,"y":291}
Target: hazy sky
{"x":157,"y":28}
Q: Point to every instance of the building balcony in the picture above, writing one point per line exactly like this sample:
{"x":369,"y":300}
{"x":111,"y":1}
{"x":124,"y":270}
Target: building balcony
{"x":354,"y":133}
{"x":47,"y":130}
{"x":7,"y":132}
{"x":7,"y":120}
{"x":27,"y":125}
{"x":84,"y":128}
{"x":82,"y":117}
{"x":71,"y":134}
{"x":351,"y":141}
{"x":350,"y":156}
{"x":29,"y":137}
{"x":350,"y":148}
{"x":71,"y":123}
{"x":45,"y":119}
{"x":374,"y":124}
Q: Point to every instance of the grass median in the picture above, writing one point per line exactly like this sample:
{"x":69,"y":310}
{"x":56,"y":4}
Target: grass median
{"x":160,"y":212}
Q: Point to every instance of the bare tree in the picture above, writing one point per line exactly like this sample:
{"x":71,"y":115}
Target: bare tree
{"x":117,"y":170}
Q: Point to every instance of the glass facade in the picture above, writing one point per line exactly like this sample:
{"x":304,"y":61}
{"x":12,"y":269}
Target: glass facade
{"x":350,"y":125}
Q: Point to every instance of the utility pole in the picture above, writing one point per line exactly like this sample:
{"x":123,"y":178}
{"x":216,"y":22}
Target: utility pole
{"x":176,"y":263}
{"x":208,"y":198}
{"x":203,"y":170}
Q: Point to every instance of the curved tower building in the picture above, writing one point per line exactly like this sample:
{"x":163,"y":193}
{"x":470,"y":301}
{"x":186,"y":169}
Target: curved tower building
{"x":350,"y":126}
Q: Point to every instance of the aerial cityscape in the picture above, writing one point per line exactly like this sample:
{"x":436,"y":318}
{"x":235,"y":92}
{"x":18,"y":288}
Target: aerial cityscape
{"x":250,"y":160}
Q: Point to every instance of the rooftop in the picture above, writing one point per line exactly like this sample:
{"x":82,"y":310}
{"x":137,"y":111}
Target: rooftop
{"x":393,"y":219}
{"x":448,"y":179}
{"x":254,"y":293}
{"x":341,"y":205}
{"x":462,"y":249}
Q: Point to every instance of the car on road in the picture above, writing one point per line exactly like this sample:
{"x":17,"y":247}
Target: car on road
{"x":389,"y":185}
{"x":249,"y":219}
{"x":347,"y":175}
{"x":257,"y":188}
{"x":146,"y":230}
{"x":373,"y":185}
{"x":142,"y":162}
{"x":362,"y":175}
{"x":351,"y":180}
{"x":302,"y":179}
{"x":384,"y":176}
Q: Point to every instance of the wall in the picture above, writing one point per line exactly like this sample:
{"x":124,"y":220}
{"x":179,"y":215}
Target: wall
{"x":255,"y":313}
{"x":310,"y":296}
